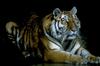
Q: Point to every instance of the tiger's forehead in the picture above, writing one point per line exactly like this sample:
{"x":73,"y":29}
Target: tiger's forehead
{"x":64,"y":17}
{"x":66,"y":14}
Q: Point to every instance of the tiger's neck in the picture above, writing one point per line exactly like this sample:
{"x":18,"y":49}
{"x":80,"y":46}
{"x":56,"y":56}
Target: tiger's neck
{"x":65,"y":45}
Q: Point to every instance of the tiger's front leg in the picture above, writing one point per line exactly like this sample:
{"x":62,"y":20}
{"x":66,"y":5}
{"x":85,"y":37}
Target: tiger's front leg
{"x":88,"y":56}
{"x":94,"y":59}
{"x":54,"y":53}
{"x":62,"y":57}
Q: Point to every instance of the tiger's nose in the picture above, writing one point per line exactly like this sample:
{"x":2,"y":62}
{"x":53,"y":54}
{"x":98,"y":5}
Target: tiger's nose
{"x":73,"y":29}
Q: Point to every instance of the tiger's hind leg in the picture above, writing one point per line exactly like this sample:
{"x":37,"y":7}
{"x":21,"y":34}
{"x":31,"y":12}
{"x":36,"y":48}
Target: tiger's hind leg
{"x":12,"y":31}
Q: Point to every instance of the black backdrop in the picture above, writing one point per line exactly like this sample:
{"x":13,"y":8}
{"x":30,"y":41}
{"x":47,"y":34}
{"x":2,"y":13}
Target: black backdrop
{"x":19,"y":10}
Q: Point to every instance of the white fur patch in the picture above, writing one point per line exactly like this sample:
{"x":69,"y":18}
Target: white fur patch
{"x":77,"y":45}
{"x":53,"y":46}
{"x":64,"y":17}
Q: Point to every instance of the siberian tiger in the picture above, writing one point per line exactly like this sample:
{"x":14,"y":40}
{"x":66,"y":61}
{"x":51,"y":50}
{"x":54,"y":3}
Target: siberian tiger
{"x":62,"y":41}
{"x":55,"y":38}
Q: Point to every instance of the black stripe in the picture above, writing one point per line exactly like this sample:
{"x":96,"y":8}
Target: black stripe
{"x":66,"y":44}
{"x":71,"y":46}
{"x":76,"y":52}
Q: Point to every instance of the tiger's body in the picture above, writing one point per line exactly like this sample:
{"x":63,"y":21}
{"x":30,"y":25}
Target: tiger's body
{"x":56,"y":37}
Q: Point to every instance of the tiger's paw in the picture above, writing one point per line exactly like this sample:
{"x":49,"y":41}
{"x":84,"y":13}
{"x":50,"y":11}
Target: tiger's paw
{"x":93,"y":59}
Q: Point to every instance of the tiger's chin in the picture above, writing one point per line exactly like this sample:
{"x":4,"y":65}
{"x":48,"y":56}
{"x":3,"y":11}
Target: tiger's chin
{"x":71,"y":37}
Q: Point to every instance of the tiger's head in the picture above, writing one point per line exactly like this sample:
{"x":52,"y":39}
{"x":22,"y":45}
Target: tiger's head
{"x":62,"y":25}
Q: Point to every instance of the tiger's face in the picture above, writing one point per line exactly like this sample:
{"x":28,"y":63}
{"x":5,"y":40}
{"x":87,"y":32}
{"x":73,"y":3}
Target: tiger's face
{"x":65,"y":24}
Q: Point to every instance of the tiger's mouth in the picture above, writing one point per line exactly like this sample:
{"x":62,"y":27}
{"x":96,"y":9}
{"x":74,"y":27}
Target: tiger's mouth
{"x":69,"y":37}
{"x":72,"y":35}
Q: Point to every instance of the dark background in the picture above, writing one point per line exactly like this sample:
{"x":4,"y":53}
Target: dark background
{"x":18,"y":11}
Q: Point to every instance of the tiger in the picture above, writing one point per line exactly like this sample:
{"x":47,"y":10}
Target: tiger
{"x":62,"y":40}
{"x":54,"y":38}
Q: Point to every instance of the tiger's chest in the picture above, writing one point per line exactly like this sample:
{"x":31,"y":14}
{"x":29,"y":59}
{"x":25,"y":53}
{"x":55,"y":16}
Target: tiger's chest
{"x":54,"y":46}
{"x":69,"y":46}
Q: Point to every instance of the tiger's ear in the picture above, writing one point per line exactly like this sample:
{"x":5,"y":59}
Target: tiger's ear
{"x":74,"y":10}
{"x":56,"y":12}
